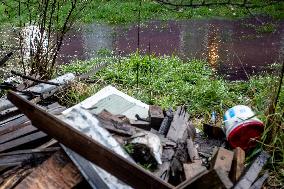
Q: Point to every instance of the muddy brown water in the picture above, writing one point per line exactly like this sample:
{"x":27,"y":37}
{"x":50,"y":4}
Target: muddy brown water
{"x":231,"y":47}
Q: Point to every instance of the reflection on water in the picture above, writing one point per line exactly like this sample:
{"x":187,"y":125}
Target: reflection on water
{"x":213,"y":47}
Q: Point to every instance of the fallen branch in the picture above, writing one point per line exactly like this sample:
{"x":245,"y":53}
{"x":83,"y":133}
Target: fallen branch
{"x":33,"y":79}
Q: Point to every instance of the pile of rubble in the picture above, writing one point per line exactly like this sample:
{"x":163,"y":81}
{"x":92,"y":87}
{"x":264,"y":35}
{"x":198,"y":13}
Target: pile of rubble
{"x":112,"y":140}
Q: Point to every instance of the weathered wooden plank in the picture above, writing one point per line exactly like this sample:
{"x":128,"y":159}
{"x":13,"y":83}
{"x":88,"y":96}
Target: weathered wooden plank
{"x":15,"y":134}
{"x":191,"y":170}
{"x":192,"y":151}
{"x":14,"y":128}
{"x":21,"y":156}
{"x":179,"y":125}
{"x":223,"y":160}
{"x":237,"y":164}
{"x":23,"y":140}
{"x":212,"y":179}
{"x":56,"y":172}
{"x":48,"y":144}
{"x":13,"y":125}
{"x":251,"y":174}
{"x":156,"y":116}
{"x":145,"y":125}
{"x":87,"y":147}
{"x":114,"y":124}
{"x":166,"y":123}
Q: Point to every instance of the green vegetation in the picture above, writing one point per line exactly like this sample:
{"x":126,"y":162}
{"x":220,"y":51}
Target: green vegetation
{"x":266,"y":28}
{"x":169,"y":82}
{"x":117,"y":11}
{"x":262,"y":28}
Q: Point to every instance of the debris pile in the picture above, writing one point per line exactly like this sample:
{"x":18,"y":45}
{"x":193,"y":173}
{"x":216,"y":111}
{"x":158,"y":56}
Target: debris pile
{"x":112,"y":140}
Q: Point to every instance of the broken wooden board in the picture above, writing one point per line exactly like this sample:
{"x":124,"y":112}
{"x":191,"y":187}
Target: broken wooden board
{"x":56,"y":172}
{"x":252,"y":173}
{"x":156,"y":116}
{"x":87,"y":147}
{"x":114,"y":124}
{"x":166,"y":123}
{"x":18,"y":133}
{"x":13,"y":125}
{"x":223,"y":160}
{"x":211,"y":179}
{"x":191,"y":150}
{"x":179,"y":126}
{"x":163,"y":171}
{"x":20,"y":157}
{"x":12,"y":180}
{"x":237,"y":164}
{"x":22,"y":140}
{"x":191,"y":170}
{"x":145,"y":125}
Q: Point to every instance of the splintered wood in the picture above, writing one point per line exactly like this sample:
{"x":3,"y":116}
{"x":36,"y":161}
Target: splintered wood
{"x":179,"y":128}
{"x":56,"y":172}
{"x":237,"y":164}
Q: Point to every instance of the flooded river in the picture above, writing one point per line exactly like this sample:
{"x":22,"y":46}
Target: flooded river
{"x":235,"y":49}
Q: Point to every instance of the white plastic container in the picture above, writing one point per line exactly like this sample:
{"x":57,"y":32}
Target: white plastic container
{"x":241,"y":126}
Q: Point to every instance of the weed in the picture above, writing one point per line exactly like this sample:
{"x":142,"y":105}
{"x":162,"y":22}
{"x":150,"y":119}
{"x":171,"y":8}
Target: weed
{"x":266,"y":28}
{"x":169,"y":82}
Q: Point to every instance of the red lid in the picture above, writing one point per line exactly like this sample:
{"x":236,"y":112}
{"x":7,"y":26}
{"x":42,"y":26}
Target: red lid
{"x":241,"y":135}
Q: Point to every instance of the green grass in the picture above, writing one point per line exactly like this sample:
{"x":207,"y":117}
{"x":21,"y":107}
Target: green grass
{"x":126,"y":11}
{"x":169,"y":82}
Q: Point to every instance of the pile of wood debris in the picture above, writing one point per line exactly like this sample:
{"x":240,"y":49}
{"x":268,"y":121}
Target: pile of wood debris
{"x":85,"y":146}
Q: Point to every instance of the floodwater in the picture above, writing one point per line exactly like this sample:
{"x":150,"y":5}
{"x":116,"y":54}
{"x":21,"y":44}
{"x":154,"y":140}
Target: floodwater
{"x":233,"y":48}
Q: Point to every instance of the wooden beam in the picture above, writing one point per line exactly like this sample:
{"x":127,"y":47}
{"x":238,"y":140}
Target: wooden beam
{"x":124,"y":170}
